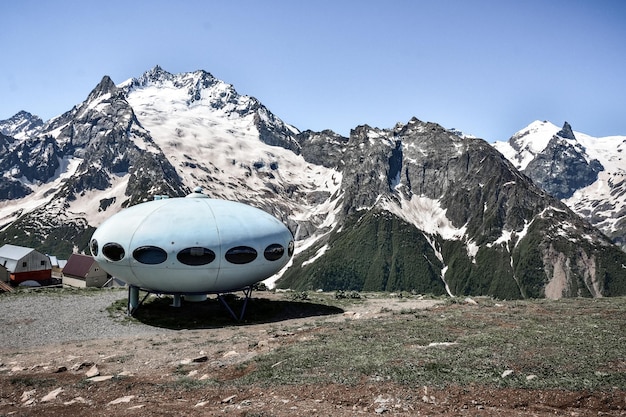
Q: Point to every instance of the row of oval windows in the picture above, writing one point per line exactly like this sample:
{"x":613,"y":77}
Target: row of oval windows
{"x":193,"y":256}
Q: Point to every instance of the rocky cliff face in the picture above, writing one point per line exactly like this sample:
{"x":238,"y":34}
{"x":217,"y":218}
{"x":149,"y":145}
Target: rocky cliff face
{"x":415,"y":207}
{"x":117,"y":149}
{"x":585,"y":172}
{"x":85,"y":150}
{"x":429,"y":211}
{"x":563,"y":167}
{"x":22,"y":158}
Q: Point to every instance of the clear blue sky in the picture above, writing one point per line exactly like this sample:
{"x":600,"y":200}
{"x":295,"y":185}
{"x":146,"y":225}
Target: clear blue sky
{"x":488,"y":68}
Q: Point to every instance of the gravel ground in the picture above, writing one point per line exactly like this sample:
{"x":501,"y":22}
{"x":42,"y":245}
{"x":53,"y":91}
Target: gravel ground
{"x":51,"y":341}
{"x":40,"y":319}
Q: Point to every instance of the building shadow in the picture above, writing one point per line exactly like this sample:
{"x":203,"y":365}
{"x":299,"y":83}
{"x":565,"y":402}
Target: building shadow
{"x":211,"y":313}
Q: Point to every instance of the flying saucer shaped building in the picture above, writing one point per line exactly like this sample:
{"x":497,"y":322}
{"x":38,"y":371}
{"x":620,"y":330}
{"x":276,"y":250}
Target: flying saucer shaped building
{"x":192,"y":245}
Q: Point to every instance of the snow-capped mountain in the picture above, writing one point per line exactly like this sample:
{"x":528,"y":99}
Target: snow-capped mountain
{"x":21,"y":125}
{"x":229,"y":144}
{"x":587,"y":173}
{"x":159,"y":134}
{"x":428,"y":210}
{"x":415,"y":207}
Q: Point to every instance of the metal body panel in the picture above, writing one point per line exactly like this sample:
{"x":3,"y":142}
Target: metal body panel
{"x":179,"y":223}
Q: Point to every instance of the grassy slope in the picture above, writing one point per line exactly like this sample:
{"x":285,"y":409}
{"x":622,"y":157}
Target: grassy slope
{"x":569,"y":344}
{"x":375,"y":252}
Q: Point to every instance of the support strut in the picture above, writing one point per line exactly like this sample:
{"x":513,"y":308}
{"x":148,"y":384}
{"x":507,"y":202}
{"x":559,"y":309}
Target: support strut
{"x":247,"y":291}
{"x":134,"y":303}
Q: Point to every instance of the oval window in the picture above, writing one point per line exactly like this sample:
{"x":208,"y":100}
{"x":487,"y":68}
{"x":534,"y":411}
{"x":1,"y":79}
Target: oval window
{"x":290,"y":249}
{"x":150,"y":255}
{"x":241,"y":255}
{"x":274,"y":252}
{"x":113,"y":251}
{"x":93,"y":246}
{"x":195,"y":256}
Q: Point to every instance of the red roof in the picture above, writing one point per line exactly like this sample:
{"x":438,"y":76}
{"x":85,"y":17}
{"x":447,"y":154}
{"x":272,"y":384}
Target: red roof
{"x":78,"y":265}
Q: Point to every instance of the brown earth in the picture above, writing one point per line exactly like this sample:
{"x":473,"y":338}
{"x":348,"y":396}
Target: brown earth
{"x":159,"y":374}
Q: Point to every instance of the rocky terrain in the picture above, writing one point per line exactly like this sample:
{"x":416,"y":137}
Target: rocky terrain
{"x":133,"y":368}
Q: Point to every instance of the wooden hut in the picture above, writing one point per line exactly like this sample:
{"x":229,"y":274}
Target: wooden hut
{"x":83,"y":271}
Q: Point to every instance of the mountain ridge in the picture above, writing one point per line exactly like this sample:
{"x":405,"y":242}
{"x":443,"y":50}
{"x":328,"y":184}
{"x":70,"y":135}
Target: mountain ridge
{"x":414,"y":207}
{"x":474,"y":235}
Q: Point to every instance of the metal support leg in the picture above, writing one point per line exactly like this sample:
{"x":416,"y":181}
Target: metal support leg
{"x":134,"y":303}
{"x":133,"y":300}
{"x":247,"y":293}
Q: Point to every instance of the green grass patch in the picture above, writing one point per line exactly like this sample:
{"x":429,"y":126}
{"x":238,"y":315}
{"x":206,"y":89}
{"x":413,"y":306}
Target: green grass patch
{"x":568,"y":344}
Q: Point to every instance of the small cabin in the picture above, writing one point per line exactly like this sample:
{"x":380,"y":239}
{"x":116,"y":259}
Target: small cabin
{"x":83,"y":271}
{"x":25,"y":264}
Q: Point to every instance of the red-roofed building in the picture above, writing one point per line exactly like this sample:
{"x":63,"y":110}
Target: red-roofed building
{"x":83,"y":271}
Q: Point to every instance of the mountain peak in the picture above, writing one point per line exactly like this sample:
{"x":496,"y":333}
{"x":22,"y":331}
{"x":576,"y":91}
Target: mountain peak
{"x":566,"y":132}
{"x":22,"y":114}
{"x":105,"y":86}
{"x":21,"y":125}
{"x":155,"y":74}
